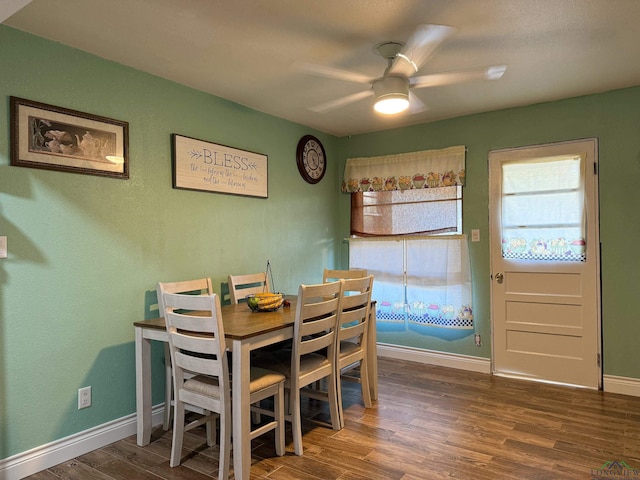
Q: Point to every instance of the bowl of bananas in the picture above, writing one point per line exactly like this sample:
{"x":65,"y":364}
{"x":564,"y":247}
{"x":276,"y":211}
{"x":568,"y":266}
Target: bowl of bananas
{"x":265,"y":302}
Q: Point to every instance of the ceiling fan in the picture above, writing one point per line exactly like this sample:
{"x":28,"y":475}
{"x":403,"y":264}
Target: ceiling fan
{"x":392,"y":90}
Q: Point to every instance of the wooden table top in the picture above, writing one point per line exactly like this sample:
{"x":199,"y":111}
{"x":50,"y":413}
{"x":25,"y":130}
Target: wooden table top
{"x":240,"y":322}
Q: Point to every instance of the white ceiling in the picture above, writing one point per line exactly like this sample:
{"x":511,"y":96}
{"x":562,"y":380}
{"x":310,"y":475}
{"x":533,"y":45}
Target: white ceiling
{"x":246,"y":50}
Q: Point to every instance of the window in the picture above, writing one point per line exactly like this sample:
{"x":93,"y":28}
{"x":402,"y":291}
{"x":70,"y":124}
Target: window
{"x":543,"y":220}
{"x":406,"y":193}
{"x":419,"y":281}
{"x":402,"y":212}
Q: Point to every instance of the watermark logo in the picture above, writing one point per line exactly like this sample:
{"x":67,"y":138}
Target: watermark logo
{"x":615,"y":469}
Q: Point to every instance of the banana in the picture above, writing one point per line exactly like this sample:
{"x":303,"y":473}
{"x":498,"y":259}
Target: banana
{"x":272,"y":301}
{"x":277,"y":304}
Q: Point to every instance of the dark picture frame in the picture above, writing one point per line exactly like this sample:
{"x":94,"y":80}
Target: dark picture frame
{"x":56,"y":138}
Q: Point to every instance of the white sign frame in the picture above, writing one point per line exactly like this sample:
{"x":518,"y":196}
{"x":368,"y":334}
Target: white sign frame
{"x":209,"y":167}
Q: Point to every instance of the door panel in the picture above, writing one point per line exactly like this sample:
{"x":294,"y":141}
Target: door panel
{"x":541,"y":283}
{"x":544,"y":344}
{"x":545,"y":294}
{"x":544,"y":315}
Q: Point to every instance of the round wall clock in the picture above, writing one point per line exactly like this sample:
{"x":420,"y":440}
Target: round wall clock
{"x":311,"y":159}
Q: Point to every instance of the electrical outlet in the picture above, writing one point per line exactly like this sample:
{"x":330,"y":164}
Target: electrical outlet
{"x":84,"y":397}
{"x":477,"y":339}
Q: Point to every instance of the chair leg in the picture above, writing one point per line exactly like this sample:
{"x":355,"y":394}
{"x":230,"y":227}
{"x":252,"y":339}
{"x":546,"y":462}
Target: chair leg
{"x":255,"y":416}
{"x":278,"y":410}
{"x":168,"y":388}
{"x":364,"y":382}
{"x":339,"y":396}
{"x":296,"y":422}
{"x":211,"y":427}
{"x":225,"y":446}
{"x":178,"y":434}
{"x":333,"y":401}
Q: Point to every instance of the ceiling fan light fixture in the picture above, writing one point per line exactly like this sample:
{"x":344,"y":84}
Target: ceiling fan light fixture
{"x":391,"y":104}
{"x":392,"y":95}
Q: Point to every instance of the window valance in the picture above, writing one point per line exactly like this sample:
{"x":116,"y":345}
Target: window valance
{"x":403,"y":171}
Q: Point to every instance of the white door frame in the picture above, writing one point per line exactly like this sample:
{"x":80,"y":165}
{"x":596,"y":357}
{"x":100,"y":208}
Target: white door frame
{"x":593,"y":232}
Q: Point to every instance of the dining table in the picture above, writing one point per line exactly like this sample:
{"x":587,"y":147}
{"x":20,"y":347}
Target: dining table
{"x":244,"y":331}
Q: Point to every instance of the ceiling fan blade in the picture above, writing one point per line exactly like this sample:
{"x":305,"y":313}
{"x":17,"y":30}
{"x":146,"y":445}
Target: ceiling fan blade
{"x":439,"y":79}
{"x":415,"y":104}
{"x":332,"y":72}
{"x":341,"y":102}
{"x":419,"y":48}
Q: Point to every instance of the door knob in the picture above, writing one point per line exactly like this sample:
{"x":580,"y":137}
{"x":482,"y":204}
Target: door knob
{"x":499,"y":278}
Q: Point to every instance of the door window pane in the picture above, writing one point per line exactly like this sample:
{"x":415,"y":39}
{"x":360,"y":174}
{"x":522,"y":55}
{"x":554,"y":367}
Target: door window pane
{"x":543,"y":209}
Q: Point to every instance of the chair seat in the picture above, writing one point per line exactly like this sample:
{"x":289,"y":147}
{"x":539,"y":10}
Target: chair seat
{"x":262,"y":378}
{"x":347,"y":348}
{"x":203,"y":385}
{"x":312,"y":362}
{"x":281,"y":362}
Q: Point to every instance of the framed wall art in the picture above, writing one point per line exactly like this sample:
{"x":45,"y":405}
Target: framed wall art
{"x":206,"y":166}
{"x":56,"y":138}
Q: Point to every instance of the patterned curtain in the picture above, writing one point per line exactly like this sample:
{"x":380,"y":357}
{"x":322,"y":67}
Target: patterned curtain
{"x":419,"y":281}
{"x":403,"y":171}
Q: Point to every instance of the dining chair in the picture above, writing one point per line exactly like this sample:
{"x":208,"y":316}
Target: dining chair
{"x":333,"y":275}
{"x":197,"y":286}
{"x":197,"y":346}
{"x":330,"y":275}
{"x":242,"y":285}
{"x":351,"y":349}
{"x":313,"y":354}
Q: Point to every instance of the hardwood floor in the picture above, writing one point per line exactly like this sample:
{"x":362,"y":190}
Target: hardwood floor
{"x":429,"y":423}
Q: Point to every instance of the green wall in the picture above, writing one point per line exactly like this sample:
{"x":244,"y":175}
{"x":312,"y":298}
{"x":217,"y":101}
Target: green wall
{"x":611,"y":117}
{"x":85,"y":252}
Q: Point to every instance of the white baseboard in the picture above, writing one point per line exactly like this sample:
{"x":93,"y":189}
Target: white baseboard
{"x":623,"y":385}
{"x":431,"y":357}
{"x":611,"y":383}
{"x":57,"y":452}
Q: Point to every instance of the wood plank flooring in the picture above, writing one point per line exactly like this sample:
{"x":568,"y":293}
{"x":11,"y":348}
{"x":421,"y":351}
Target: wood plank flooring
{"x":429,"y":423}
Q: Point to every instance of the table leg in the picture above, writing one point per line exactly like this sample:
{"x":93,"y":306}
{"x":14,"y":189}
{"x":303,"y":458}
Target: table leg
{"x":241,"y":410}
{"x":143,"y":388}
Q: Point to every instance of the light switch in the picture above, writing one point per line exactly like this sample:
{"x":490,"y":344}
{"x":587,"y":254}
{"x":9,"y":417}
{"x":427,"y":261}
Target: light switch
{"x":3,"y":247}
{"x":475,"y":235}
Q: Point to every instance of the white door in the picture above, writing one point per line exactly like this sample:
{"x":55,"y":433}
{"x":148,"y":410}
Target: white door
{"x":545,"y":263}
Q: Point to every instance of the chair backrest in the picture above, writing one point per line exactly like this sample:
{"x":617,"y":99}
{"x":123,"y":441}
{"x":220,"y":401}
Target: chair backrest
{"x":242,"y":285}
{"x":316,"y":323}
{"x":199,"y":286}
{"x":356,"y":306}
{"x":196,"y":342}
{"x":333,"y":275}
